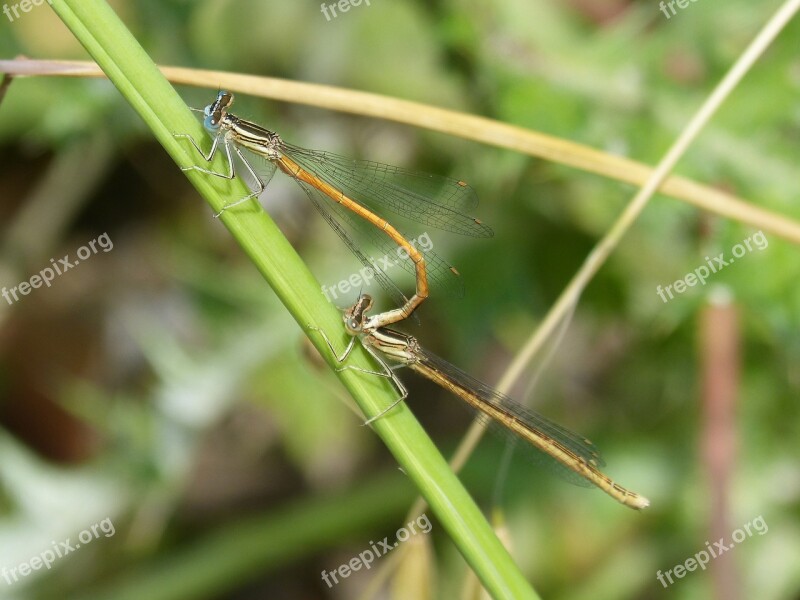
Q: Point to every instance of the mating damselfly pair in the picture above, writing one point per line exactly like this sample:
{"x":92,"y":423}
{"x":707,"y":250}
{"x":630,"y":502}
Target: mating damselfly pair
{"x":365,"y":197}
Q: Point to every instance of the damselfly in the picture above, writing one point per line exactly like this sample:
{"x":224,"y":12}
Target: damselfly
{"x":352,"y":195}
{"x":575,"y":453}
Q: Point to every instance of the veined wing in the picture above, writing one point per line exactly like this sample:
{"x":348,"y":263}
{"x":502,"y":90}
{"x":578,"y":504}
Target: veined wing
{"x":427,"y":199}
{"x":441,"y":275}
{"x":579,"y":447}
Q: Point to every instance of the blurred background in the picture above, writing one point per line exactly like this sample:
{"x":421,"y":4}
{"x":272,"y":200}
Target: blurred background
{"x":159,"y":393}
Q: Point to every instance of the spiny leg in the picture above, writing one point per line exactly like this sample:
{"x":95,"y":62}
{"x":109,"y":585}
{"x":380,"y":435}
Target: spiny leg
{"x":208,"y":158}
{"x":387,"y":372}
{"x":345,"y":354}
{"x":259,"y":184}
{"x":231,"y":167}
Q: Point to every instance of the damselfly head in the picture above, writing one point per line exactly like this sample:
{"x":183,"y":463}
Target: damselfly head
{"x":224,"y":101}
{"x":355,"y":316}
{"x":216,"y":111}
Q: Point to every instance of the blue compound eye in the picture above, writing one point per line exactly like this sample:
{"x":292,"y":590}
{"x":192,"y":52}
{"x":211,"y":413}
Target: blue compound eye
{"x":210,"y":124}
{"x":207,"y":110}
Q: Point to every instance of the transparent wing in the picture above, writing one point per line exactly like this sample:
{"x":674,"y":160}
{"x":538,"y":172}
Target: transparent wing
{"x":255,"y":170}
{"x":259,"y":167}
{"x":578,"y":446}
{"x":427,"y":199}
{"x":388,"y":257}
{"x":441,"y":275}
{"x":320,"y":201}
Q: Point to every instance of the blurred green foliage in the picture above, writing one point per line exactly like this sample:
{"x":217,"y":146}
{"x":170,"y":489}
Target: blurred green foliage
{"x":146,"y":364}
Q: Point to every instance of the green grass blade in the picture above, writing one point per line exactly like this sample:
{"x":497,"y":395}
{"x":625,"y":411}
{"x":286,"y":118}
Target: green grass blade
{"x":127,"y":65}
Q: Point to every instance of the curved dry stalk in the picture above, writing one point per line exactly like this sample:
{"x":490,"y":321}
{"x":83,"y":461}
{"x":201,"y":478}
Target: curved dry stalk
{"x":571,"y":294}
{"x":569,"y":298}
{"x":567,"y":301}
{"x":480,"y":129}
